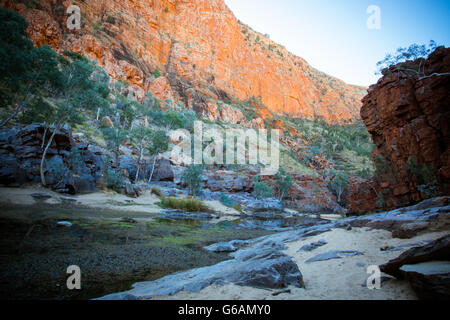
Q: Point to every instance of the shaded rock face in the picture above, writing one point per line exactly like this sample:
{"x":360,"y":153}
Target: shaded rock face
{"x":426,"y":267}
{"x":408,"y":118}
{"x":222,"y":180}
{"x":202,"y":51}
{"x":430,"y":280}
{"x":438,"y":250}
{"x":311,"y":194}
{"x":70,"y":166}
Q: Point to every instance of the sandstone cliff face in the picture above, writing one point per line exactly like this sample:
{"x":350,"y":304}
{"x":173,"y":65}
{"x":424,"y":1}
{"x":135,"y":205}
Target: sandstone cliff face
{"x":204,"y":55}
{"x":408,"y":118}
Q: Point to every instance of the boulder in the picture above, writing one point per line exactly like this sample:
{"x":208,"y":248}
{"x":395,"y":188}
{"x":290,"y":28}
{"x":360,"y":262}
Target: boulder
{"x":230,"y":246}
{"x":227,"y":181}
{"x":163,"y":170}
{"x":84,"y":184}
{"x":262,"y":205}
{"x":429,"y":280}
{"x":133,"y":190}
{"x":409,"y":230}
{"x":10,"y":171}
{"x":435,"y":250}
{"x":70,"y":167}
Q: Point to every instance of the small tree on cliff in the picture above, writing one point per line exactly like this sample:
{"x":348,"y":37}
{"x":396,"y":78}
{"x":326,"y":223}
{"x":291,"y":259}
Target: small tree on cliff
{"x":337,"y":185}
{"x":410,"y":61}
{"x":284,"y":183}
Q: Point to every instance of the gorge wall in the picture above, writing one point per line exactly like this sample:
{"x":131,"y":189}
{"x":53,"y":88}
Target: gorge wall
{"x":203,"y":52}
{"x":408,"y":118}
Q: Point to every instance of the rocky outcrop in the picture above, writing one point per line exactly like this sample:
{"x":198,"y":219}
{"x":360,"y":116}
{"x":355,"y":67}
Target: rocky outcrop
{"x":436,"y":250}
{"x":408,"y":119}
{"x":430,"y":280}
{"x":263,"y":265}
{"x":203,"y":53}
{"x":427,"y":268}
{"x":311,"y":194}
{"x":70,"y":167}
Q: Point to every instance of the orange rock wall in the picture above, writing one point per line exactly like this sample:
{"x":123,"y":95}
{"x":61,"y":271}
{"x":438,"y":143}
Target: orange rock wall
{"x":197,"y":45}
{"x":409,"y":118}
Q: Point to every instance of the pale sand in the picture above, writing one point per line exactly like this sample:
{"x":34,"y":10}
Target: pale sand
{"x":337,"y":279}
{"x":106,"y":200}
{"x":100,"y":200}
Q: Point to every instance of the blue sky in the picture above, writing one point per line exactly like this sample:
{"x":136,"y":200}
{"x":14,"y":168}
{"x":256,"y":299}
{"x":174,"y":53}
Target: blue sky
{"x":333,"y":35}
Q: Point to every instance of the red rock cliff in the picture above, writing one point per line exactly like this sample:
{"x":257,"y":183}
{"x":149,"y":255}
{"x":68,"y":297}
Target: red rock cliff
{"x":204,"y":54}
{"x":408,"y":118}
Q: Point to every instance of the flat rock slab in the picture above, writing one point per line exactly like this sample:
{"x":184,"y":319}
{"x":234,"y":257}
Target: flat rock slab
{"x":312,"y":246}
{"x":429,"y":280}
{"x":230,"y":246}
{"x":387,"y":250}
{"x":336,"y":254}
{"x":41,"y":196}
{"x":263,"y":265}
{"x":435,"y":250}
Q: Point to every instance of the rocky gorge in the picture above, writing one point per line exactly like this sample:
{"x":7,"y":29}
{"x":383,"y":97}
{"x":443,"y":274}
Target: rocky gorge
{"x":203,"y":59}
{"x":408,"y":119}
{"x":88,"y":177}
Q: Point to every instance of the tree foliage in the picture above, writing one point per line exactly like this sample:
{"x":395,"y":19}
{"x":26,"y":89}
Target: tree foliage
{"x":283,"y":182}
{"x":192,"y":178}
{"x":261,"y":189}
{"x":410,"y":60}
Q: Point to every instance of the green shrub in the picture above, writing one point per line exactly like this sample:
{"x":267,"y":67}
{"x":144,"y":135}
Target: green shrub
{"x":284,"y":183}
{"x":111,"y":19}
{"x":226,"y":201}
{"x":188,"y":204}
{"x":426,"y":176}
{"x":157,"y":73}
{"x":237,"y":207}
{"x":114,"y":180}
{"x":192,"y":178}
{"x":262,"y":190}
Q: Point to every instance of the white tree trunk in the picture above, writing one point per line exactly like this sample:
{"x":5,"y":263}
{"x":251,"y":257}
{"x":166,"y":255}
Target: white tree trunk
{"x":139,"y":163}
{"x":44,"y":154}
{"x":153,"y":169}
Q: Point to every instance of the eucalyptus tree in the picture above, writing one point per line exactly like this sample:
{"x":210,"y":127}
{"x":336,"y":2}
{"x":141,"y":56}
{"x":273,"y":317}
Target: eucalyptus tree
{"x":79,"y":96}
{"x":158,"y":144}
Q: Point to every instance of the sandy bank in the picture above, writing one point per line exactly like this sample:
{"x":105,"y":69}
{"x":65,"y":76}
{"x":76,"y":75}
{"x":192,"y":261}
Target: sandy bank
{"x":337,"y":279}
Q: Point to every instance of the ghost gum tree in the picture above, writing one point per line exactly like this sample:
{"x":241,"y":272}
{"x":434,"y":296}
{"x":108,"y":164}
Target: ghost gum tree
{"x":410,"y":61}
{"x":79,"y":97}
